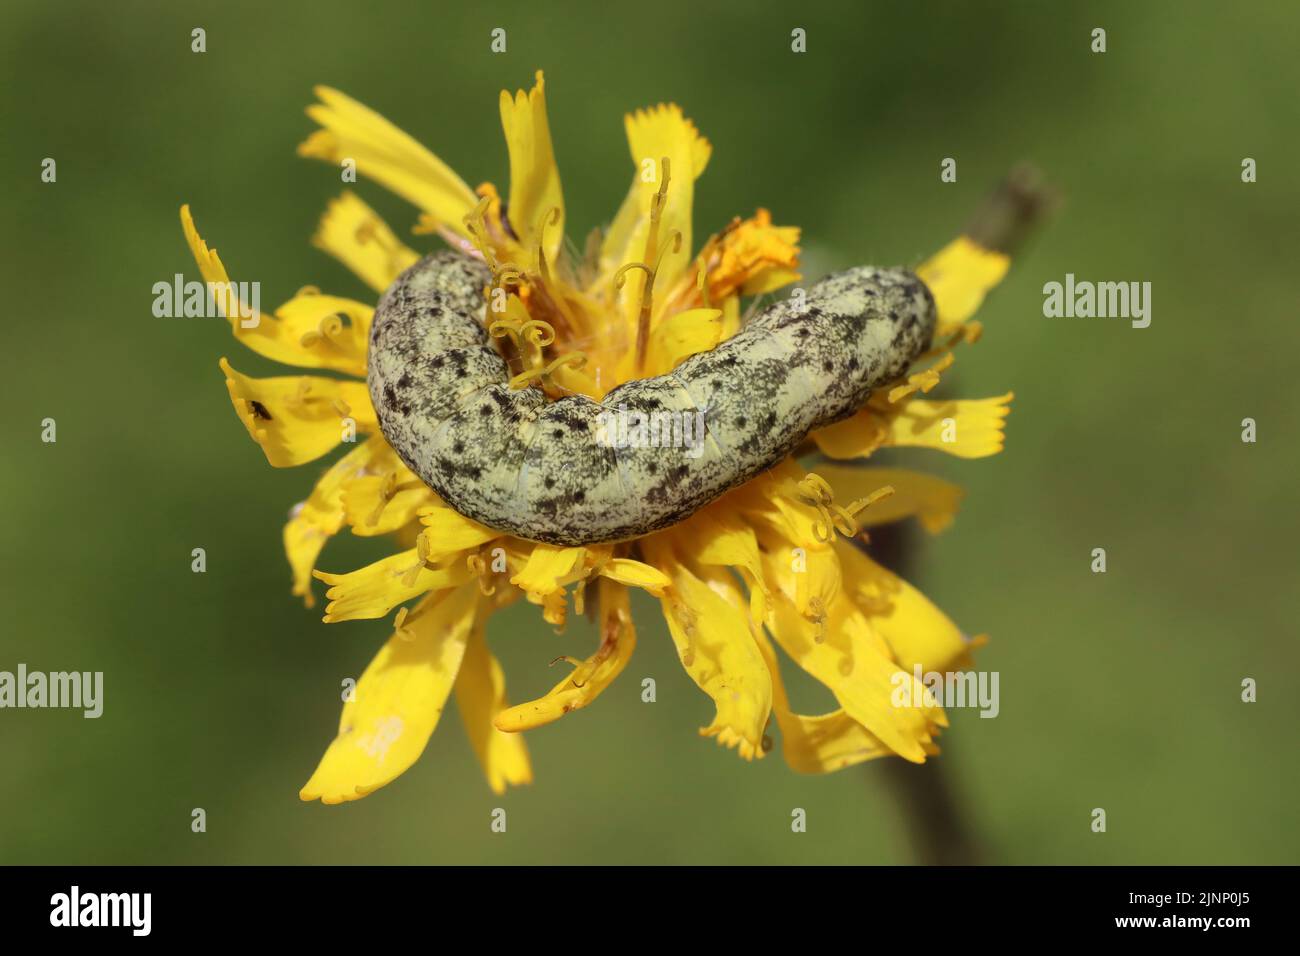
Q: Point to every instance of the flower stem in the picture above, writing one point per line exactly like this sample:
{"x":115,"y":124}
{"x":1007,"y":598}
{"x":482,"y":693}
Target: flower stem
{"x":926,"y":794}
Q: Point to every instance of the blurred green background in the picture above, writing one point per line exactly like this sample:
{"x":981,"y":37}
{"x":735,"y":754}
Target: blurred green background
{"x":1119,"y":691}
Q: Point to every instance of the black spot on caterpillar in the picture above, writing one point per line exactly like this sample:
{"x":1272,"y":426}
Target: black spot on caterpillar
{"x":547,"y":471}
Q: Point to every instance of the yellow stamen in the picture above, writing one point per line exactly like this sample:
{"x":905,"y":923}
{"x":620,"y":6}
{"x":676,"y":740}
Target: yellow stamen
{"x":405,"y":633}
{"x":421,"y":557}
{"x":620,"y":274}
{"x":920,"y":381}
{"x":814,"y":490}
{"x":474,"y":224}
{"x":968,"y":333}
{"x":702,"y":283}
{"x":551,"y":217}
{"x":653,"y":254}
{"x":478,"y":567}
{"x":553,"y":291}
{"x":530,"y":376}
{"x":674,"y":240}
{"x":537,"y":331}
{"x":503,"y":273}
{"x":301,"y":396}
{"x":506,"y":274}
{"x":386,"y":492}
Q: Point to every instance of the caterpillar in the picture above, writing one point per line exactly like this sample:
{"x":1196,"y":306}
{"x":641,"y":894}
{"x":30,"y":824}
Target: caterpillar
{"x":516,"y":461}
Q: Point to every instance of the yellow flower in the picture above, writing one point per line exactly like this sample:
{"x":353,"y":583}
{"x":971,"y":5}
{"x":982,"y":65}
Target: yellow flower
{"x":770,"y":564}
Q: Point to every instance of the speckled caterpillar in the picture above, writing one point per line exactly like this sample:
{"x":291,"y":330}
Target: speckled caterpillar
{"x":520,"y":463}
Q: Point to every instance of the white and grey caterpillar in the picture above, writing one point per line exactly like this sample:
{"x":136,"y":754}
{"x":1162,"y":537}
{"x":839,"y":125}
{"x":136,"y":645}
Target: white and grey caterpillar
{"x":538,"y":469}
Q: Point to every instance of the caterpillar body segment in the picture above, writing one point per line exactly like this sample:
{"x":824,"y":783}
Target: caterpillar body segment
{"x":553,"y":471}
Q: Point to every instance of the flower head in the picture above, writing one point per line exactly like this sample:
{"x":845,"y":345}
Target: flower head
{"x":774,"y":563}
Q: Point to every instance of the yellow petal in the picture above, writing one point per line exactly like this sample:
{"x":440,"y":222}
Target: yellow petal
{"x":375,"y":506}
{"x":575,"y":381}
{"x":635,"y":574}
{"x":717,"y":536}
{"x":707,"y":618}
{"x":447,"y":531}
{"x":534,"y":177}
{"x":387,"y":155}
{"x":313,"y":331}
{"x":212,"y":270}
{"x":547,"y":569}
{"x":772,"y":504}
{"x":590,"y":678}
{"x":481,"y":696}
{"x":931,"y":500}
{"x":819,"y":744}
{"x":555,"y":607}
{"x":809,"y":571}
{"x":917,"y":631}
{"x":356,"y":236}
{"x":844,"y":653}
{"x":377,"y":588}
{"x":960,"y":275}
{"x":324,"y":331}
{"x":769,"y":280}
{"x":317,"y":519}
{"x":298,"y":418}
{"x":397,"y":701}
{"x":730,"y":316}
{"x":967,"y":429}
{"x":854,"y":437}
{"x":652,"y":135}
{"x":749,"y":257}
{"x":680,"y":336}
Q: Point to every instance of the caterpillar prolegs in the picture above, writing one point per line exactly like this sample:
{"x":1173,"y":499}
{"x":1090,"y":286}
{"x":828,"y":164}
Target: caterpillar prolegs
{"x":546,"y":470}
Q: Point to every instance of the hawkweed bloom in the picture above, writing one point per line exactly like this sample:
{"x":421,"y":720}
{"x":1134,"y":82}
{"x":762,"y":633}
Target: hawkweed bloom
{"x":772,"y":563}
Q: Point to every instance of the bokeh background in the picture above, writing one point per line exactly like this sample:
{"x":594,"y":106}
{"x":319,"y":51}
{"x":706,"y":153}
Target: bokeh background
{"x":1119,"y":691}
